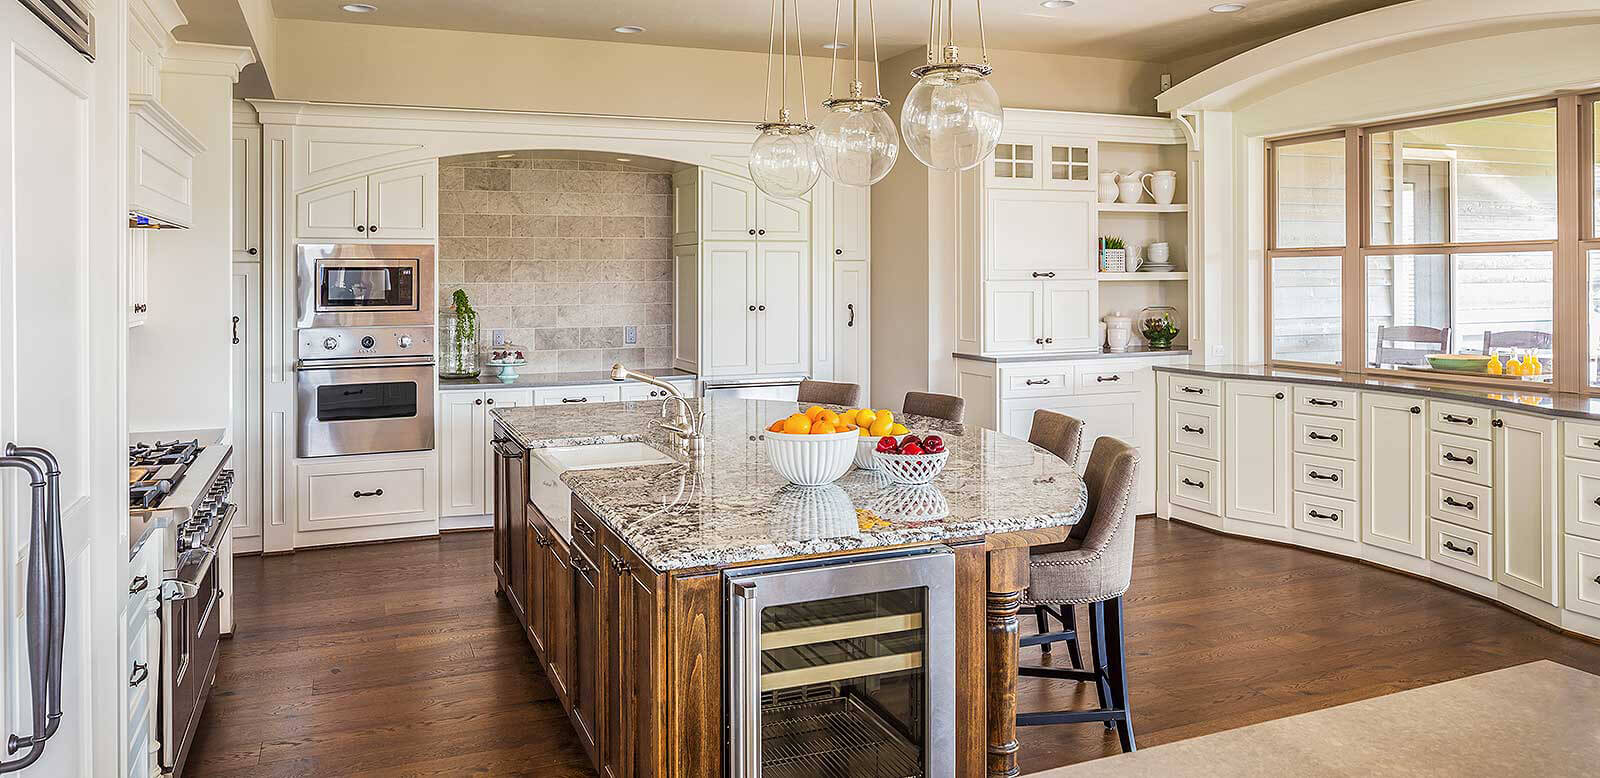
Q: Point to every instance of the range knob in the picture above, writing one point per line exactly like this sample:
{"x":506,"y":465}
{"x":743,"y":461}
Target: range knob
{"x":368,"y":342}
{"x":404,"y":341}
{"x":330,"y":343}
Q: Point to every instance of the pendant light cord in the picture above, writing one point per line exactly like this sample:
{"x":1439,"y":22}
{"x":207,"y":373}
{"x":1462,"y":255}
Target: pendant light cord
{"x":983,"y":41}
{"x":772,"y":28}
{"x":800,"y":58}
{"x":877,"y":73}
{"x":833,"y":67}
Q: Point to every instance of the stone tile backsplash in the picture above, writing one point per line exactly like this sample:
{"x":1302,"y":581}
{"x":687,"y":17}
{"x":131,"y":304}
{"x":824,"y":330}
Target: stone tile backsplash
{"x":563,"y":255}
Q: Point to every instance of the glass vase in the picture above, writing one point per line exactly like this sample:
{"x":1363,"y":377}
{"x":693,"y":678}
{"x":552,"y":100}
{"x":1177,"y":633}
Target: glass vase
{"x":459,"y":353}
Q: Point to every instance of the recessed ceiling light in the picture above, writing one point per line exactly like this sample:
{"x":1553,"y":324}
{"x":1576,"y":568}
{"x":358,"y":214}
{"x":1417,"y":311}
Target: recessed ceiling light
{"x":1227,"y":8}
{"x":835,"y":45}
{"x":504,"y":156}
{"x":359,"y":8}
{"x":627,"y":29}
{"x":1058,"y":3}
{"x":624,"y":159}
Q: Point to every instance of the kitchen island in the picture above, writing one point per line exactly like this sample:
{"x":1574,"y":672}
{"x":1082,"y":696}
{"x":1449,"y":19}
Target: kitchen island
{"x":624,"y":600}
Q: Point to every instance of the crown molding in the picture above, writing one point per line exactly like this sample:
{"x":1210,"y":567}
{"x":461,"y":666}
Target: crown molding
{"x":207,"y":59}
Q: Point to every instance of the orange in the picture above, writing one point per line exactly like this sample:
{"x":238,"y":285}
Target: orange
{"x":797,"y":424}
{"x":828,"y":416}
{"x":777,"y":426}
{"x":818,"y":428}
{"x":814,"y":411}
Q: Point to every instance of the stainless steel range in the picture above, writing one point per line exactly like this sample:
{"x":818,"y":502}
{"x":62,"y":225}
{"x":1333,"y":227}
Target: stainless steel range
{"x":180,"y":497}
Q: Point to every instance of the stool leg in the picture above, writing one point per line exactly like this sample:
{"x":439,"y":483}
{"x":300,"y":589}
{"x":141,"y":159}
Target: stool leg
{"x":1117,"y":671}
{"x":1097,"y":639}
{"x":1071,"y":618}
{"x":1043,"y":617}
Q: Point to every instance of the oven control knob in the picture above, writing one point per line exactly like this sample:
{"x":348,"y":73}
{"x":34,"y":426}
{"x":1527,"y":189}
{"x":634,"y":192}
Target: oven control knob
{"x":368,"y":342}
{"x":330,"y":343}
{"x":405,"y":341}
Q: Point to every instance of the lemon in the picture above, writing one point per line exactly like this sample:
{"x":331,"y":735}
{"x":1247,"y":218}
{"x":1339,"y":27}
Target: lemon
{"x":880,"y":427}
{"x":863,"y":431}
{"x":885,"y":414}
{"x":898,"y":429}
{"x":865,"y":417}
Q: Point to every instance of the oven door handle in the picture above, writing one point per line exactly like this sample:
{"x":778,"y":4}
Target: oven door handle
{"x":335,"y":364}
{"x":184,"y":589}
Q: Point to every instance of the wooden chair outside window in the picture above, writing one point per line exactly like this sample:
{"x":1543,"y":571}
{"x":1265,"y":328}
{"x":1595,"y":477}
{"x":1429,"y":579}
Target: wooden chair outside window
{"x":1410,"y":345}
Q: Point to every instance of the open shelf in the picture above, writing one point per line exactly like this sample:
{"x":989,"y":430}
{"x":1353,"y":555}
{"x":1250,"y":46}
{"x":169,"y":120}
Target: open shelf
{"x":1176,"y":275}
{"x":1142,"y":208}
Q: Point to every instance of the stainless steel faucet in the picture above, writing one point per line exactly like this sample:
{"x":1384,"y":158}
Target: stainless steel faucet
{"x":684,"y":423}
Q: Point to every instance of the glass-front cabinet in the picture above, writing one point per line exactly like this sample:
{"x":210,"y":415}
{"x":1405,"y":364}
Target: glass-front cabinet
{"x":843,"y":669}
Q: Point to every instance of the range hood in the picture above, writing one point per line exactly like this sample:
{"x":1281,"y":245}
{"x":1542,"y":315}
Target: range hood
{"x":161,"y":154}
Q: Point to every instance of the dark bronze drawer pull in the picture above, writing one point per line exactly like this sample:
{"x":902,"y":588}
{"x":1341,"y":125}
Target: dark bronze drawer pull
{"x":1498,"y":423}
{"x":1449,"y":457}
{"x":140,"y":583}
{"x":374,"y":493}
{"x":1193,"y":430}
{"x":1597,"y":501}
{"x":1334,"y":477}
{"x":1100,"y":379}
{"x":1040,"y":382}
{"x":574,"y":399}
{"x":1320,"y":401}
{"x":1469,"y":551}
{"x":1454,"y":419}
{"x":1320,"y":436}
{"x":1452,"y":502}
{"x":1192,"y":390}
{"x":1324,"y":516}
{"x":582,"y":526}
{"x":1044,"y":275}
{"x":1195,"y":484}
{"x":141,"y":671}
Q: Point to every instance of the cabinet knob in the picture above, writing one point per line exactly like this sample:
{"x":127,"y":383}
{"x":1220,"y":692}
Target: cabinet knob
{"x":838,"y":252}
{"x":752,"y":232}
{"x":252,"y":252}
{"x":1498,"y":423}
{"x":752,"y":308}
{"x":1279,"y":395}
{"x":1049,"y":340}
{"x":1416,"y":409}
{"x":361,"y":228}
{"x":489,"y":401}
{"x":373,"y":228}
{"x":1039,"y":341}
{"x":478,"y":401}
{"x":761,"y":307}
{"x":761,"y":232}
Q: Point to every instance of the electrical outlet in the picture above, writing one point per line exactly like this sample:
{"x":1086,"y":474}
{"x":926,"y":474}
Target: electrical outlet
{"x":1166,"y":81}
{"x":497,"y":338}
{"x":630,"y":335}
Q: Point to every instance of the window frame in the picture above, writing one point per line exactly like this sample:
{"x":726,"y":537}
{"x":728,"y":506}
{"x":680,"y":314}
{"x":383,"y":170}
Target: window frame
{"x":1575,"y":184}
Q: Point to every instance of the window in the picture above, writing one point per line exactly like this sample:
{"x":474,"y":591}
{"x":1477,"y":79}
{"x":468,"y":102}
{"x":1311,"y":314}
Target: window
{"x":1309,"y":193}
{"x":1421,"y":304}
{"x":1306,"y":311}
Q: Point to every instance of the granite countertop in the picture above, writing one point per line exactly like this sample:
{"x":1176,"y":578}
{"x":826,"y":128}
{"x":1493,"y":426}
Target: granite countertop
{"x":733,"y":508}
{"x":541,"y":380}
{"x":1560,"y":404}
{"x":1133,"y":351}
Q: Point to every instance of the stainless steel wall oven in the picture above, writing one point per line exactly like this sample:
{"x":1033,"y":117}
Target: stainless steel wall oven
{"x":364,"y":390}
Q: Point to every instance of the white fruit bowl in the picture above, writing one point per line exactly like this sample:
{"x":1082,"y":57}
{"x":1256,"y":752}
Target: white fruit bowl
{"x":811,"y":460}
{"x":867,"y":446}
{"x":912,"y":469}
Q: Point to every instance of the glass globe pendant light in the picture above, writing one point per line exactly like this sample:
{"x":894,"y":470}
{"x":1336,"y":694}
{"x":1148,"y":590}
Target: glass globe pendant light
{"x":951,"y":118}
{"x":857,"y":140}
{"x":783,"y":159}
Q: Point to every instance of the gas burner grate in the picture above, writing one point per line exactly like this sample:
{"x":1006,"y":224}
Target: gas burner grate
{"x":833,"y":737}
{"x":178,"y":452}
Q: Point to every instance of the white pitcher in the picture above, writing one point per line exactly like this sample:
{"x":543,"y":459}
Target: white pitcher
{"x":1163,"y":185}
{"x":1108,"y":186}
{"x":1131,"y":186}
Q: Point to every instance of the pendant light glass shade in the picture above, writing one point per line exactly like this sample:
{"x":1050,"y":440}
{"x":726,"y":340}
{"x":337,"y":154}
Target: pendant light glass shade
{"x":783,"y":160}
{"x":952,"y":117}
{"x":857,"y":141}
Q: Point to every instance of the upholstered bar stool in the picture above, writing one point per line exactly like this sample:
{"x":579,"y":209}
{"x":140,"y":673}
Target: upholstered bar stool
{"x":940,"y":406}
{"x":1061,"y":435}
{"x":828,"y":393}
{"x":1093,"y":567}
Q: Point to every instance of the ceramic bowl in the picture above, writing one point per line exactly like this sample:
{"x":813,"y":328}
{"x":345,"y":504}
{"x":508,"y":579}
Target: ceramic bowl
{"x":1462,"y":363}
{"x":912,"y":469}
{"x":867,"y":445}
{"x":811,"y":460}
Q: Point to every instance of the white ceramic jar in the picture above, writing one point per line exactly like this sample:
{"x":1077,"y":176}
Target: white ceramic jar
{"x":1119,"y":332}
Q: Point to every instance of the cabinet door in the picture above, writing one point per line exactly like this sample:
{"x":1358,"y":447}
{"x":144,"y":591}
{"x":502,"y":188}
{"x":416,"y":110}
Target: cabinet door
{"x":1394,"y":473}
{"x":616,"y":637}
{"x":729,"y":281}
{"x":138,"y":276}
{"x":1039,"y":235}
{"x":782,"y":218}
{"x":538,"y":603}
{"x":686,"y":306}
{"x":246,"y":365}
{"x":1068,"y":163}
{"x":464,"y":455}
{"x":585,"y":657}
{"x":1104,"y":415}
{"x":334,"y":211}
{"x":686,"y":207}
{"x":1525,"y":528}
{"x":492,"y":399}
{"x":403,"y":204}
{"x":727,"y":207}
{"x":559,"y":619}
{"x":516,"y":497}
{"x":782,"y":307}
{"x":852,"y":222}
{"x":1256,"y":444}
{"x":246,"y":194}
{"x":629,"y":700}
{"x":1015,"y":313}
{"x":1014,"y":164}
{"x":851,"y":294}
{"x":502,"y":526}
{"x":1071,"y":315}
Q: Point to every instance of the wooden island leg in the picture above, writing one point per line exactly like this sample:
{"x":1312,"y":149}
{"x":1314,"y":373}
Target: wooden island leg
{"x":1008,"y":577}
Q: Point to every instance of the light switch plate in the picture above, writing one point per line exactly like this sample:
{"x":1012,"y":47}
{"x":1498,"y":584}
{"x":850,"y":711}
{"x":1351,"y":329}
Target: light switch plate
{"x":630,"y":335}
{"x":497,"y":338}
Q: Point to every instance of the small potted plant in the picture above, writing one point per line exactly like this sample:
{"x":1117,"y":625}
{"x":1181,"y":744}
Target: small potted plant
{"x":1159,"y":326}
{"x":1113,"y":255}
{"x":458,"y":339}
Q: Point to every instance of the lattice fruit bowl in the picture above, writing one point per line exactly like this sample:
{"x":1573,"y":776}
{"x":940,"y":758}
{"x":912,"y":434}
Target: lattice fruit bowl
{"x":911,"y":469}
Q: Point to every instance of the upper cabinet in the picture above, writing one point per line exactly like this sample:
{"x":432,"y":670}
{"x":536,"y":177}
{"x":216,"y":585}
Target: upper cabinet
{"x":160,"y":164}
{"x":852,"y":217}
{"x":1039,"y":235}
{"x":246,"y":204}
{"x":1042,"y":162}
{"x":728,"y":206}
{"x":398,"y":204}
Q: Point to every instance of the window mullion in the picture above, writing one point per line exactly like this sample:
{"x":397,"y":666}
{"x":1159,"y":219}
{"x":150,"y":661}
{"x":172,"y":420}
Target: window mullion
{"x":1352,"y":290}
{"x":1570,"y":323}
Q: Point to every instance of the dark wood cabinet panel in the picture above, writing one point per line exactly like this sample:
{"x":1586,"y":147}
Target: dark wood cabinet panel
{"x":585,"y":657}
{"x":515,"y":495}
{"x":694,"y":675}
{"x":538,"y":604}
{"x":559,"y":618}
{"x":502,"y":514}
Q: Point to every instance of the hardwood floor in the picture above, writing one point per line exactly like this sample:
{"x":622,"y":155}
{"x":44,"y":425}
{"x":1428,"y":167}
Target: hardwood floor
{"x":398,"y":659}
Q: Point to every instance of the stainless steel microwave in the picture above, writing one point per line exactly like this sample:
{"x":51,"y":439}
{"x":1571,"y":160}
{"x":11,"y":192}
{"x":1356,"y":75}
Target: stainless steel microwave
{"x":365,"y":284}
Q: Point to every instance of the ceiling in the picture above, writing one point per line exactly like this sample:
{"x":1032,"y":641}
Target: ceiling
{"x":1148,"y":30}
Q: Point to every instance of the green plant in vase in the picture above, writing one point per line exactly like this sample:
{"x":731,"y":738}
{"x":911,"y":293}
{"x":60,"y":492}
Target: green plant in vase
{"x":461,"y":357}
{"x":1159,"y":331}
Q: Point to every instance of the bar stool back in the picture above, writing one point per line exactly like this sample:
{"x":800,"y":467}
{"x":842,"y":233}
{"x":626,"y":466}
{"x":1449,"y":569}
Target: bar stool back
{"x":940,"y":406}
{"x":828,"y":393}
{"x":1061,"y":435}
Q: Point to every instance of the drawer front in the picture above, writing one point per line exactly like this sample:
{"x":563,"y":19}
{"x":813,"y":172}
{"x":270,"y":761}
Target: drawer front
{"x":1195,"y":483}
{"x":1325,"y":436}
{"x":1460,"y":419}
{"x":578,"y":394}
{"x":1462,"y":458}
{"x":1464,"y":549}
{"x":1326,"y":515}
{"x":1195,"y":430}
{"x":141,"y":673}
{"x":1102,"y":381}
{"x":363,"y":498}
{"x":1194,"y":389}
{"x":1582,"y":496}
{"x":585,"y":537}
{"x":1325,"y":476}
{"x":1461,"y":503}
{"x":1326,"y":401}
{"x":1583,"y":440}
{"x":1583,"y":576}
{"x":1035,"y":381}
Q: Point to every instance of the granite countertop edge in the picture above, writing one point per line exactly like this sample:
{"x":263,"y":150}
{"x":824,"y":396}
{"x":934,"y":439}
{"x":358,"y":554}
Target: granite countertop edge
{"x":1080,"y":356}
{"x":548,"y":380}
{"x":1569,"y":406}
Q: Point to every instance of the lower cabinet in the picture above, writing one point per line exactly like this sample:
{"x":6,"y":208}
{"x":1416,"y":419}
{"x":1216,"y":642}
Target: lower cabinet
{"x":1526,"y":530}
{"x":511,"y":523}
{"x":1394,"y":470}
{"x":538,"y":604}
{"x":584,"y":657}
{"x":466,"y":479}
{"x":630,"y":691}
{"x":1257,"y":448}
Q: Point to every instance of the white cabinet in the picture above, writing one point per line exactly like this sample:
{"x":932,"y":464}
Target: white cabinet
{"x":853,"y":349}
{"x":1394,"y":473}
{"x":1526,"y":530}
{"x":1256,"y":447}
{"x":246,"y":205}
{"x":727,"y":313}
{"x":462,"y":463}
{"x":161,"y":156}
{"x":1022,"y":161}
{"x":1043,"y":316}
{"x":1071,"y":320}
{"x":246,"y":406}
{"x":568,"y":395}
{"x":782,"y":300}
{"x":852,"y":230}
{"x":138,"y":276}
{"x":1037,"y":235}
{"x":1015,"y":320}
{"x":686,"y":308}
{"x":398,"y":204}
{"x":686,"y":207}
{"x":727,"y":206}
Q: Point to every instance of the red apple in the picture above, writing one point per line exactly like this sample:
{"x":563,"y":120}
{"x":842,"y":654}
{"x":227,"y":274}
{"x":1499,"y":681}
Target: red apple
{"x":911,"y":448}
{"x":933,"y":444}
{"x":886,"y":444}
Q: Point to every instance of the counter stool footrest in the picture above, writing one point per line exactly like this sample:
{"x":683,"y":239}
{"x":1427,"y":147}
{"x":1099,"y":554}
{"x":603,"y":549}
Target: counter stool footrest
{"x":1069,"y":717}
